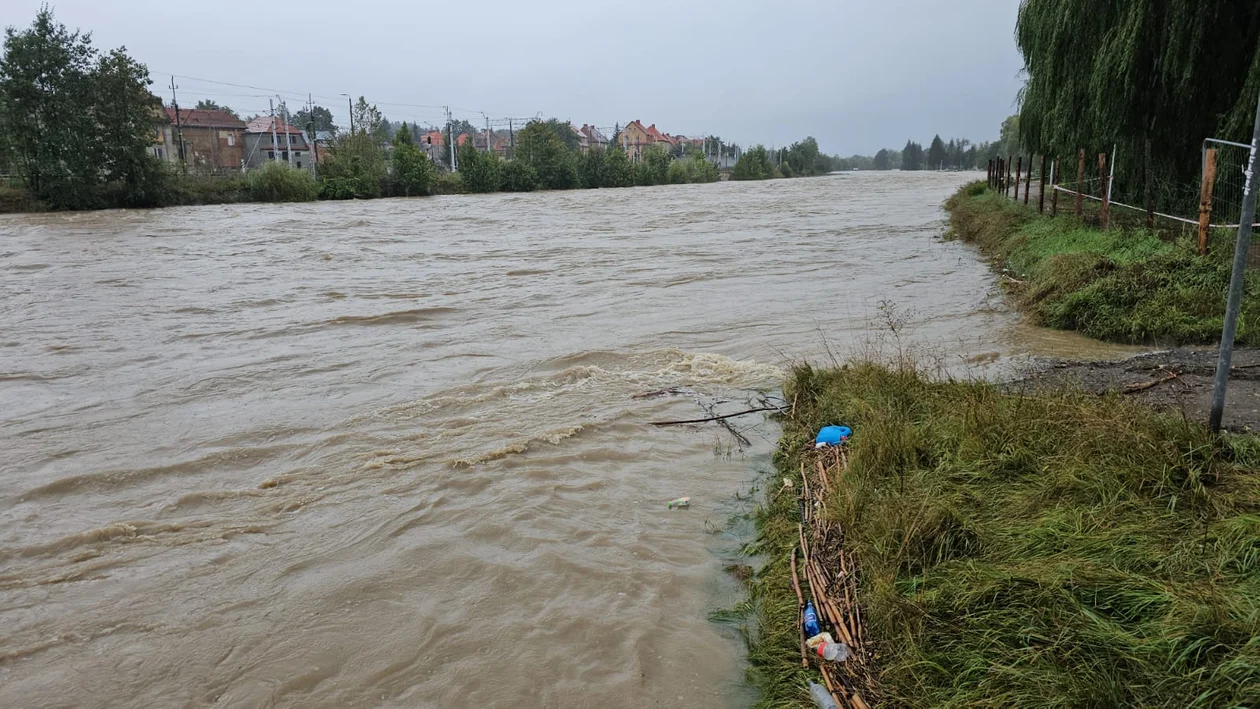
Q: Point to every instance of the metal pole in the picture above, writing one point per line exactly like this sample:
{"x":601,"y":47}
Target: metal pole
{"x":1234,"y":303}
{"x":450,"y":129}
{"x":274,"y":143}
{"x":350,"y":104}
{"x":1111,"y":179}
{"x":288,"y":139}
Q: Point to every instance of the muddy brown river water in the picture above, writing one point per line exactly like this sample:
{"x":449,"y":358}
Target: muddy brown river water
{"x":386,"y":453}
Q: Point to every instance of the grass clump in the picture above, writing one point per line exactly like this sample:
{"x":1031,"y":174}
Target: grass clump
{"x":277,"y":182}
{"x":1014,"y":550}
{"x":1127,"y":285}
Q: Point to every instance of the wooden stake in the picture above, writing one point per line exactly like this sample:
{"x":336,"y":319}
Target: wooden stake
{"x":1102,"y":181}
{"x":1006,"y":191}
{"x":1028,"y":180}
{"x":1041,"y":187}
{"x":1080,"y":181}
{"x":1019,"y":165}
{"x":1205,"y":197}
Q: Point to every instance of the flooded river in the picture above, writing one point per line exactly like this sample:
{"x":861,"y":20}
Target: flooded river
{"x":388,"y":453}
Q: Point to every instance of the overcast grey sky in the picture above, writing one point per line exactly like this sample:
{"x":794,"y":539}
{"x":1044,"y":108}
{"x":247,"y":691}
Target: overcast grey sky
{"x":856,"y":74}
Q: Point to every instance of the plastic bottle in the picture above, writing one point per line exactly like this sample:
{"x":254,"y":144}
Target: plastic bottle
{"x":811,"y":620}
{"x":679,"y":502}
{"x":819,"y":639}
{"x":822,"y":697}
{"x":833,"y":652}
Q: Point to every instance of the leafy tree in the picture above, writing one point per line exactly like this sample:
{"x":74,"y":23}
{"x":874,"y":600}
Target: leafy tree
{"x":912,"y":156}
{"x":479,"y":170}
{"x":413,"y":170}
{"x":539,"y":146}
{"x":518,"y":176}
{"x":654,"y":169}
{"x":316,"y":119}
{"x":882,"y":160}
{"x":693,"y":168}
{"x":355,"y":165}
{"x":76,"y":125}
{"x":804,"y":158}
{"x":618,"y":170}
{"x":753,"y":165}
{"x":592,"y":168}
{"x":366,"y":118}
{"x":206,"y":104}
{"x":936,"y":154}
{"x":1126,"y":71}
{"x":564,"y":132}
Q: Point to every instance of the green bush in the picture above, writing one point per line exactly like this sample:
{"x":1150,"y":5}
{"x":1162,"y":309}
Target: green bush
{"x":754,"y":164}
{"x":448,"y":183}
{"x":277,"y":182}
{"x":518,"y":176}
{"x":413,"y":171}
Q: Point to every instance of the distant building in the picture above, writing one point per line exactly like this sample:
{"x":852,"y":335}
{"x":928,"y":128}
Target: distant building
{"x":635,"y":138}
{"x":212,"y":140}
{"x":590,"y":137}
{"x":291,"y":144}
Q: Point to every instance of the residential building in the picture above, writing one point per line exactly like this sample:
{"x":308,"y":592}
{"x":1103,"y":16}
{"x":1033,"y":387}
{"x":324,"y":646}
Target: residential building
{"x":433,"y":144}
{"x":590,"y":137}
{"x":212,"y":140}
{"x":291,"y":144}
{"x":635,"y":138}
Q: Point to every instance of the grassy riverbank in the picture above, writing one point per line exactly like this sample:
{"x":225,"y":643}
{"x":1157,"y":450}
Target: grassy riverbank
{"x":1063,"y":549}
{"x":1126,"y":285}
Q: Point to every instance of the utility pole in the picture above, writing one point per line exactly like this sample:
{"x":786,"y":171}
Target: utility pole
{"x":274,"y":143}
{"x":179,"y":127}
{"x":350,"y":103}
{"x":1234,"y":302}
{"x":483,"y":115}
{"x":288,"y":139}
{"x":512,"y":137}
{"x":450,"y":130}
{"x":310,"y":112}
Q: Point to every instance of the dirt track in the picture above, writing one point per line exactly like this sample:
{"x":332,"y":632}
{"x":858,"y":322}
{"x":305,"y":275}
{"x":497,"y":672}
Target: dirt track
{"x":1190,"y":391}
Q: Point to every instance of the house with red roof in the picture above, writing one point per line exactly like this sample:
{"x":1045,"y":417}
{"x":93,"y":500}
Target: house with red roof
{"x":210,"y":140}
{"x":635,"y":138}
{"x":290,"y":145}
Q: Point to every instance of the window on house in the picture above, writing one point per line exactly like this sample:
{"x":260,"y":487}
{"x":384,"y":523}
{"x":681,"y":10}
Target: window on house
{"x":299,"y":164}
{"x":231,"y":139}
{"x":271,"y":155}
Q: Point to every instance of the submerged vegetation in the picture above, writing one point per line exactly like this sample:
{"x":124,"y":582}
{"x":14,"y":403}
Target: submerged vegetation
{"x":1127,"y":285}
{"x":1025,"y":550}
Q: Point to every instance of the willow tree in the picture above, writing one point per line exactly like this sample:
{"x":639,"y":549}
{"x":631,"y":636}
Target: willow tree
{"x":1124,"y":72}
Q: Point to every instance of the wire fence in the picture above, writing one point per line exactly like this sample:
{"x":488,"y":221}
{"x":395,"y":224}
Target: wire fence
{"x":1087,"y":186}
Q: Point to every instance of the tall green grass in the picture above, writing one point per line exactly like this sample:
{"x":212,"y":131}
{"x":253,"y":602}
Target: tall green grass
{"x":1049,"y":550}
{"x":277,"y":182}
{"x":1127,"y":285}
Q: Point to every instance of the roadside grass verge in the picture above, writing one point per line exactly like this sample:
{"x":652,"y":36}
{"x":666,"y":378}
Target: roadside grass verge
{"x":1126,"y":285}
{"x":1025,"y":550}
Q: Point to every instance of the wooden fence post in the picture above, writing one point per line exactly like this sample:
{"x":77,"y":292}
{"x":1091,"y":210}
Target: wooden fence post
{"x":1028,"y":180}
{"x":1041,"y":187}
{"x":1057,"y":170}
{"x":1007,"y":190}
{"x":1102,"y":185}
{"x":1205,"y":197}
{"x":1019,"y":165}
{"x":1080,"y":181}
